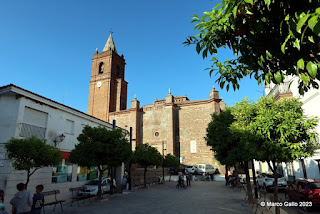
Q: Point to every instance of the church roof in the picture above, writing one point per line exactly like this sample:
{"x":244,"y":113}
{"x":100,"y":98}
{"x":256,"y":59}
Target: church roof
{"x":110,"y":44}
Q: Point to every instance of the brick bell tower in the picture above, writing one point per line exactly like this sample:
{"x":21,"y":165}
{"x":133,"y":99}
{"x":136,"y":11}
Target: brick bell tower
{"x":108,"y":89}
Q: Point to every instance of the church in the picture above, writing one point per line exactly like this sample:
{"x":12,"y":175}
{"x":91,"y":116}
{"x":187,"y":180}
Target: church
{"x":173,"y":124}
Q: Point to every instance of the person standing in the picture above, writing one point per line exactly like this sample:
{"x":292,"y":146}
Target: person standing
{"x":124,"y":183}
{"x":189,"y":179}
{"x":38,"y":200}
{"x":2,"y":206}
{"x":22,"y":200}
{"x":226,"y":176}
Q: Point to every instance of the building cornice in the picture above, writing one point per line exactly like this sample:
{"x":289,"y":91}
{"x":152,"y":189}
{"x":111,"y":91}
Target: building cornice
{"x":51,"y":103}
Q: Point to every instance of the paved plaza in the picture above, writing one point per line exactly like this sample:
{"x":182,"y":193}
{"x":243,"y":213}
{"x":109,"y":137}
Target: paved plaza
{"x":203,"y":197}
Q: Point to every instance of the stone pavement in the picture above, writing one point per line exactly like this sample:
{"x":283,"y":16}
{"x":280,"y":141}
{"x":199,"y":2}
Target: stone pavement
{"x":203,"y":197}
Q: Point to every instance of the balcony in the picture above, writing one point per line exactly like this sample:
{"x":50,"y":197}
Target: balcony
{"x":282,"y":90}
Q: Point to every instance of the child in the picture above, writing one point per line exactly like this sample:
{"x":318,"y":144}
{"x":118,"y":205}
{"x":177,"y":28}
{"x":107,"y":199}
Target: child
{"x":2,"y":207}
{"x":124,"y":183}
{"x":38,"y":200}
{"x":22,"y":201}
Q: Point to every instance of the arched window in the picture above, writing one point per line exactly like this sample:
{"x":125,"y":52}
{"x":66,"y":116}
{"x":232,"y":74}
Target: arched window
{"x":101,"y":68}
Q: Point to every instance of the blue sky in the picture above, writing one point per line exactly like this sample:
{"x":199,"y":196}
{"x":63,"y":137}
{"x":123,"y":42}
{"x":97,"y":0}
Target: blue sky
{"x":46,"y":47}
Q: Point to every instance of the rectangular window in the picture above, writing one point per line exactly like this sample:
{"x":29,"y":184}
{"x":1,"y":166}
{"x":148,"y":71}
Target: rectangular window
{"x":63,"y":172}
{"x":193,"y":147}
{"x":34,"y":123}
{"x":70,"y":127}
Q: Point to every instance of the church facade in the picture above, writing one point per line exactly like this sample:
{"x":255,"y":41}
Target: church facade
{"x":173,"y":125}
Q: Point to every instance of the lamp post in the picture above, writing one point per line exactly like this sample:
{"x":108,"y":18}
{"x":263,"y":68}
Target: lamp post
{"x":163,"y":159}
{"x":58,"y":139}
{"x":130,"y":138}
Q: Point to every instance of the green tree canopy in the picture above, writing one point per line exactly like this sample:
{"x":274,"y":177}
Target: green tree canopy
{"x":31,"y":154}
{"x":171,"y":161}
{"x":270,"y":40}
{"x":284,"y":132}
{"x":229,"y":134}
{"x":101,"y":147}
{"x":146,"y":155}
{"x":219,"y":137}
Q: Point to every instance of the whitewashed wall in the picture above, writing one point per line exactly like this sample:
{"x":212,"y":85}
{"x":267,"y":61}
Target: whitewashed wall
{"x":58,"y":122}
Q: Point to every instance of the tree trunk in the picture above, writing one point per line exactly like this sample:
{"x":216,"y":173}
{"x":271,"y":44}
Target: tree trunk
{"x":275,"y":185}
{"x":254,"y":180}
{"x":28,"y":178}
{"x":144,"y":177}
{"x":249,"y":190}
{"x":99,"y":183}
{"x":236,"y":174}
{"x":112,"y":177}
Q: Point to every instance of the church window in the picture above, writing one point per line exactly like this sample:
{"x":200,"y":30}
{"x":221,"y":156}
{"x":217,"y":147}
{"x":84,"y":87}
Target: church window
{"x":156,"y":134}
{"x":118,"y":73}
{"x":193,"y":146}
{"x":101,"y":68}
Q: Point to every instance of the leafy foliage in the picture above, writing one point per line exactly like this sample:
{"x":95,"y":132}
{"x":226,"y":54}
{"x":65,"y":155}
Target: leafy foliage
{"x":31,"y":154}
{"x":269,"y":131}
{"x":101,"y":147}
{"x":284,"y":132}
{"x":171,"y":161}
{"x":219,"y":137}
{"x":146,"y":155}
{"x":270,"y":40}
{"x":229,"y":134}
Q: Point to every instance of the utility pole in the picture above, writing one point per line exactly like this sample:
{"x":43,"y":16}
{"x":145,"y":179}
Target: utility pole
{"x":130,"y":135}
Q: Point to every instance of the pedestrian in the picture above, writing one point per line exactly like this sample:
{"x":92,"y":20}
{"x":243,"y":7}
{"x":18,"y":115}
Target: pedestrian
{"x":124,"y":183}
{"x":22,"y":200}
{"x":212,"y":177}
{"x":2,"y":206}
{"x":188,"y":179}
{"x":38,"y":200}
{"x":208,"y":177}
{"x":226,"y":176}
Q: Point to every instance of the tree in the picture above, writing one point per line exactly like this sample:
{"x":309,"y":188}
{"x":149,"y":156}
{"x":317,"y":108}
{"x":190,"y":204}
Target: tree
{"x":146,"y":155}
{"x":270,"y":40}
{"x":31,"y":154}
{"x":231,"y":139}
{"x":101,"y":148}
{"x":285,"y":133}
{"x":171,"y":161}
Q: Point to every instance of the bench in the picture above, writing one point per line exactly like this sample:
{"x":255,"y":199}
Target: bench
{"x":138,"y":183}
{"x":76,"y":197}
{"x":55,"y":202}
{"x":257,"y":202}
{"x":111,"y":192}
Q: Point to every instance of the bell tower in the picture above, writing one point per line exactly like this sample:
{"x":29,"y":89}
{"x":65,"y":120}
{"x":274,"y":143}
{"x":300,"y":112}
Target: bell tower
{"x":108,"y":89}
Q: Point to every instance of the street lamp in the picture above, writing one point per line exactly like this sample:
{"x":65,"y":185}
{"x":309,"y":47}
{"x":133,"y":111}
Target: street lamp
{"x":129,"y":168}
{"x":58,"y":139}
{"x":163,"y":159}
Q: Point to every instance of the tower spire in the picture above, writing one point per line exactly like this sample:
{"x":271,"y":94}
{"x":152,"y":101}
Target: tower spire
{"x":110,"y":44}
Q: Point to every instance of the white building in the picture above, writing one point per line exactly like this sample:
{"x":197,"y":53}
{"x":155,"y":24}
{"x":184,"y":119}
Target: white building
{"x":24,"y":114}
{"x":308,"y":167}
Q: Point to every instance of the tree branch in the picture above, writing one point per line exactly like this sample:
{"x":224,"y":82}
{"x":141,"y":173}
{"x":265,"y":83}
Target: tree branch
{"x":270,"y":166}
{"x":35,"y":169}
